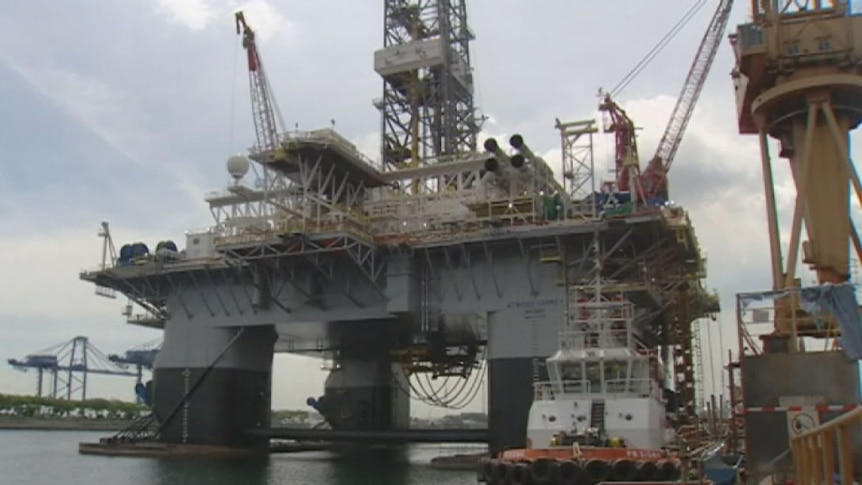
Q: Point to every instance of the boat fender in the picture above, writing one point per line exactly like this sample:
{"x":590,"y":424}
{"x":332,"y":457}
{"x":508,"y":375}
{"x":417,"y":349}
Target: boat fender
{"x":669,"y":470}
{"x":569,"y":472}
{"x":597,"y":471}
{"x":485,"y":469}
{"x":501,"y":472}
{"x":542,"y":471}
{"x":520,"y":474}
{"x":648,"y":471}
{"x":623,"y":471}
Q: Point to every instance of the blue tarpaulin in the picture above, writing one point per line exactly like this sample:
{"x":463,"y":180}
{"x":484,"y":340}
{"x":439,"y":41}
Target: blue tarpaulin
{"x":838,"y":300}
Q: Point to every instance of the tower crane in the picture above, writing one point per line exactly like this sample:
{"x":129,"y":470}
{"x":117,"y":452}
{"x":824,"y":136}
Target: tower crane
{"x":651,"y":183}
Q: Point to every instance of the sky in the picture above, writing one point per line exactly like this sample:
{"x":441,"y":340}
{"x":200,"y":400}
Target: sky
{"x":126,"y":112}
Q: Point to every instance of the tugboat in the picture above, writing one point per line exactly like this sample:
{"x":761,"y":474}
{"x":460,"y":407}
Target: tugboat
{"x":602,"y":416}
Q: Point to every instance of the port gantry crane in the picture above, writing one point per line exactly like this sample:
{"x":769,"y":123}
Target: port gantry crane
{"x":68,"y":364}
{"x":651,"y":183}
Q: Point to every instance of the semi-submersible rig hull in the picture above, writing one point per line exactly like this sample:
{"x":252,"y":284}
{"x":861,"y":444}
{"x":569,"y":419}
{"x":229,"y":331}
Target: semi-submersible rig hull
{"x":439,"y":259}
{"x":431,"y":300}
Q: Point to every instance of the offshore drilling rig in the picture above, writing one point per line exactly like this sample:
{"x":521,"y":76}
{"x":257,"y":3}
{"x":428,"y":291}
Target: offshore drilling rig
{"x":798,"y":81}
{"x":421,"y":266}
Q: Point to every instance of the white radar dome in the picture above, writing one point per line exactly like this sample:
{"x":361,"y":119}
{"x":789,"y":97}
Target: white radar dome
{"x":237,"y":166}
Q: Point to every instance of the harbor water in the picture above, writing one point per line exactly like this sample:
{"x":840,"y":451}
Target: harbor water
{"x":51,"y":458}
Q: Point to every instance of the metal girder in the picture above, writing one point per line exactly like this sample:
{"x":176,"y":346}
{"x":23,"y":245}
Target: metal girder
{"x":525,"y":253}
{"x":465,"y":255}
{"x":212,"y":283}
{"x":324,"y":267}
{"x":448,"y":258}
{"x":434,"y":275}
{"x":287,"y":270}
{"x":320,"y":255}
{"x":617,"y":245}
{"x":203,"y":296}
{"x":231,"y":291}
{"x":657,"y":247}
{"x":241,"y":268}
{"x":140,"y":298}
{"x":493,"y":271}
{"x":177,"y":290}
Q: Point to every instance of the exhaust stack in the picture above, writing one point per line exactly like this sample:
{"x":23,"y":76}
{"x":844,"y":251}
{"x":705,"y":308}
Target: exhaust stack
{"x":492,"y":147}
{"x":517,"y":142}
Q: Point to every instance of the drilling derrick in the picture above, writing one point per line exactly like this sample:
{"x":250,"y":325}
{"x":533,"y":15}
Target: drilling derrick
{"x":427,"y":107}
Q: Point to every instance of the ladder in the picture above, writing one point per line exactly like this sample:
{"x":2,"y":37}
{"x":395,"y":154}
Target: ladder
{"x":597,"y":415}
{"x":697,"y":349}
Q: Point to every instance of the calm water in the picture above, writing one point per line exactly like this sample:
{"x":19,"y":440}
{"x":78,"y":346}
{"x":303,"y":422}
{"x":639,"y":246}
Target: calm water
{"x":51,"y":458}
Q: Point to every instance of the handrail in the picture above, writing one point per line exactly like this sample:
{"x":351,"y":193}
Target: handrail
{"x":814,"y":452}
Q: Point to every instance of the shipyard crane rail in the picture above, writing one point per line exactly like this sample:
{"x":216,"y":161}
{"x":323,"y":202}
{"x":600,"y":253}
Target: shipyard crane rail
{"x":68,"y":364}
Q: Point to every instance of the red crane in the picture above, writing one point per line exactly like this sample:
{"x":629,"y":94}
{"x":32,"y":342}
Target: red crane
{"x":626,"y":162}
{"x":651,"y":183}
{"x":263,"y":107}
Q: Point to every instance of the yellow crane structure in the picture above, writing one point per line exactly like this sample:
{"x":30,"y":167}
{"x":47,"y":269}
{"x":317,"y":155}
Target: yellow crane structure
{"x":798,"y":81}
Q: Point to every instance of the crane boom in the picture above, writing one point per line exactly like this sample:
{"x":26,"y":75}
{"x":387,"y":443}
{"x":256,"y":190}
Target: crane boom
{"x":656,"y":174}
{"x":263,"y":106}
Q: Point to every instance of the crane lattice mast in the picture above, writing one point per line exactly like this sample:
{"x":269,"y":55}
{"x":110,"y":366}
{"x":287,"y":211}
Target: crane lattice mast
{"x":655,"y":176}
{"x":652,"y":181}
{"x":263,"y":106}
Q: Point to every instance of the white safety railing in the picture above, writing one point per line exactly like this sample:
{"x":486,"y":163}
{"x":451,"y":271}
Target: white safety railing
{"x":550,"y":390}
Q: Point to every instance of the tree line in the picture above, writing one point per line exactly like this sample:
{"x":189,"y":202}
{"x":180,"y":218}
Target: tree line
{"x":46,"y":407}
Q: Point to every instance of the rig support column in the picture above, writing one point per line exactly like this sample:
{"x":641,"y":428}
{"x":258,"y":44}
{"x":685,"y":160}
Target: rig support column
{"x":361,"y":394}
{"x":516,"y":361}
{"x":224,"y":376}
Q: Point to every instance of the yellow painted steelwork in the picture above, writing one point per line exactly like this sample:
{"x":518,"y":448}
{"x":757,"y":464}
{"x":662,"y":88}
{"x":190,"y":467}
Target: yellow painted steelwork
{"x":820,"y":453}
{"x":798,"y":80}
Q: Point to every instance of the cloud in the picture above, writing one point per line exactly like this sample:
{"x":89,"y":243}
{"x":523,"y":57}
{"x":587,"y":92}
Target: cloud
{"x":194,"y":14}
{"x":114,"y":115}
{"x":266,"y":20}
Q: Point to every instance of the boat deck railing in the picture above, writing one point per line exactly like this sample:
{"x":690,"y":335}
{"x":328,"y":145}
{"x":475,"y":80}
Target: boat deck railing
{"x":551,"y":390}
{"x":825,"y":454}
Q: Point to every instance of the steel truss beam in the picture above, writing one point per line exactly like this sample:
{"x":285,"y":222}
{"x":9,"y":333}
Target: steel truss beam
{"x":322,"y":257}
